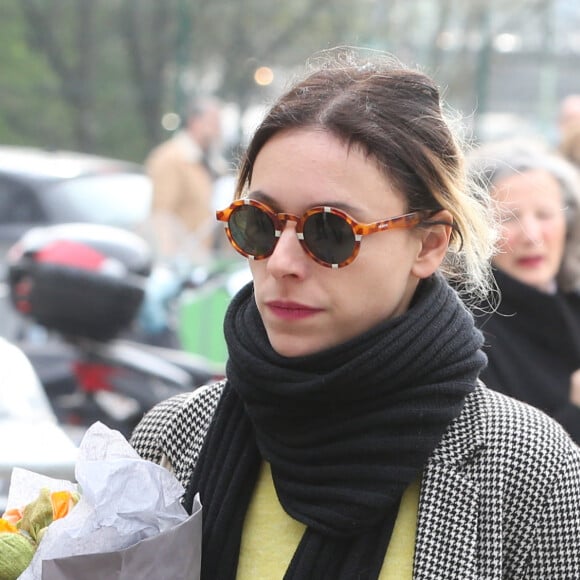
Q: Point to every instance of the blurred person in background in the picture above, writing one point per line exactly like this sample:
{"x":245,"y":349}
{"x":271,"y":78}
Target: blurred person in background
{"x":181,"y":227}
{"x":183,"y":170}
{"x":352,"y":437}
{"x":570,"y":144}
{"x":569,"y":113}
{"x":533,"y":339}
{"x":569,"y":128}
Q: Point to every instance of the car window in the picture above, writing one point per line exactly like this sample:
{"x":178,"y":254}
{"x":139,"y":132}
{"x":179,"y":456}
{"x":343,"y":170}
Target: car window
{"x":119,"y":199}
{"x":18,"y":204}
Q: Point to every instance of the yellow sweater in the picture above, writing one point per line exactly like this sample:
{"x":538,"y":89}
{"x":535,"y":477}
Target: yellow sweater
{"x":270,"y":536}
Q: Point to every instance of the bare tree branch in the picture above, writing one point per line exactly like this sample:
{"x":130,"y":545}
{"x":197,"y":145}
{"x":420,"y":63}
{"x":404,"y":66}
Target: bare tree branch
{"x":41,"y":36}
{"x":76,"y":79}
{"x":148,"y":52}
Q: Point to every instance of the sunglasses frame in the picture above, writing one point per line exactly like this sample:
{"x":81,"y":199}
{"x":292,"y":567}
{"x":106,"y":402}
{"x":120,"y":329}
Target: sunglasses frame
{"x":279,"y":220}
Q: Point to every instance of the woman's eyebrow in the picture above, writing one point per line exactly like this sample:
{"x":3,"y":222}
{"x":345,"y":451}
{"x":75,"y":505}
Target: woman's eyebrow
{"x":259,"y":195}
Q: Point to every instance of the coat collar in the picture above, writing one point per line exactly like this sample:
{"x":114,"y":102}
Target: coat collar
{"x":448,"y":507}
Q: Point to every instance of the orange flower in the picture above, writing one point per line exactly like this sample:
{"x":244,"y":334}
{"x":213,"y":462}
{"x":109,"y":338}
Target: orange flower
{"x":62,"y":503}
{"x":13,"y":515}
{"x":6,"y":526}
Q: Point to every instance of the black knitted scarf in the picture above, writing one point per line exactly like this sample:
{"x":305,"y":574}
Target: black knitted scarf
{"x":345,"y":430}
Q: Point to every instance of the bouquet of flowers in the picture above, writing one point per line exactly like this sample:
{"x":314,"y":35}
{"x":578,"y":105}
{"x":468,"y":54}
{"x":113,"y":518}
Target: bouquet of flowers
{"x":122,"y":520}
{"x":21,"y":530}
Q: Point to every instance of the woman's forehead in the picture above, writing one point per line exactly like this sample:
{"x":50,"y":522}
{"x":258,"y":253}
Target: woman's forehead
{"x":321,"y":169}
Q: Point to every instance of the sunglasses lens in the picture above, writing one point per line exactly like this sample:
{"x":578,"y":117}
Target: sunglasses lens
{"x":253,"y":230}
{"x":329,"y":237}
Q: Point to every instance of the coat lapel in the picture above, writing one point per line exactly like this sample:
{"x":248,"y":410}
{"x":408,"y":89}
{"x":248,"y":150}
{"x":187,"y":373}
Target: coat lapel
{"x":447,"y":526}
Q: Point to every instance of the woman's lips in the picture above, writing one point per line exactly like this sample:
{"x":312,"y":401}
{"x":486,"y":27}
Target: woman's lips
{"x":291,"y":310}
{"x":530,"y":261}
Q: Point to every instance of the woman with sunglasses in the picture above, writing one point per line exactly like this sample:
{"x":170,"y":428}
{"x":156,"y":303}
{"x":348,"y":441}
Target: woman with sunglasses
{"x":351,"y":438}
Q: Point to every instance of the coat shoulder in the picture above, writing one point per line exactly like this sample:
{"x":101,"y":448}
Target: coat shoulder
{"x":174,"y":430}
{"x":510,"y":431}
{"x":506,"y":476}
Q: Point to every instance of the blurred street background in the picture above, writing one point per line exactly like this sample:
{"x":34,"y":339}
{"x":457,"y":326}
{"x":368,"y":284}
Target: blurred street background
{"x":88,"y":88}
{"x":110,"y":76}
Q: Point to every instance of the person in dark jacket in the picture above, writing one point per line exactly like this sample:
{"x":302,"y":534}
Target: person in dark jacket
{"x":533,"y":339}
{"x":352,"y":437}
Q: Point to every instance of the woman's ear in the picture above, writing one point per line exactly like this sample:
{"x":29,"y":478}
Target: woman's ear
{"x":434,"y":243}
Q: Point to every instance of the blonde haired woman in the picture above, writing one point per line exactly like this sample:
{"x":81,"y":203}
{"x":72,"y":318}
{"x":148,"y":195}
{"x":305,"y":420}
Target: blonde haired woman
{"x":533,"y":339}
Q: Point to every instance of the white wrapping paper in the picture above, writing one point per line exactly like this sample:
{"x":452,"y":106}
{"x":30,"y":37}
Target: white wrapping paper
{"x":128,"y":524}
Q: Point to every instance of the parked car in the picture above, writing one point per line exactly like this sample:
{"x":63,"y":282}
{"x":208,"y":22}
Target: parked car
{"x":30,"y":434}
{"x":41,"y":187}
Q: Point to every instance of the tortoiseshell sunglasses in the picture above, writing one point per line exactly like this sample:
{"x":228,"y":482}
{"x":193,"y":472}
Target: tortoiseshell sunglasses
{"x":328,"y":235}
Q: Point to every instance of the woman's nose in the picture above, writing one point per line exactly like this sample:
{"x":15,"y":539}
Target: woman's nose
{"x":288,"y":257}
{"x":532,"y":228}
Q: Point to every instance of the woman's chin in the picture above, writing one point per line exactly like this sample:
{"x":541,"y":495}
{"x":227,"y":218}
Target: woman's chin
{"x":539,"y":280}
{"x":294,"y":346}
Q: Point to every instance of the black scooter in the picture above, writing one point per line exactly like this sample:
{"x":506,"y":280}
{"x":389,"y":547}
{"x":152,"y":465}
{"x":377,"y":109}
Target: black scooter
{"x":82,"y":286}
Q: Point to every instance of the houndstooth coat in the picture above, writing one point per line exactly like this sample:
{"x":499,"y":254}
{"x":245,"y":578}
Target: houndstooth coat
{"x":500,"y":495}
